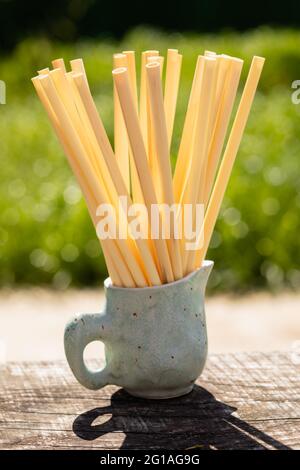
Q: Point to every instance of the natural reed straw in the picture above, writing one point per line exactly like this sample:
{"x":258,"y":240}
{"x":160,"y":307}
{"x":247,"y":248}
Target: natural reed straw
{"x":183,"y":159}
{"x":113,"y":168}
{"x":229,"y":155}
{"x":44,"y":71}
{"x":59,"y":64}
{"x":137,"y":195}
{"x":210,"y":53}
{"x":113,"y":181}
{"x":143,"y":108}
{"x":74,"y":140}
{"x":134,"y":180}
{"x":120,"y":276}
{"x":226,"y":99}
{"x":77,"y":66}
{"x":139,"y":170}
{"x":136,"y":191}
{"x":120,"y":134}
{"x":140,"y":157}
{"x":173,"y":69}
{"x":151,"y":150}
{"x":72,"y":105}
{"x":162,"y":152}
{"x":132,"y":74}
{"x":199,"y":141}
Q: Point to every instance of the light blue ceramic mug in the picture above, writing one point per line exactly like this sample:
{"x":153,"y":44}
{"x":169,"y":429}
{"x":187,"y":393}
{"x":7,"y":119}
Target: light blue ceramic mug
{"x":155,"y":338}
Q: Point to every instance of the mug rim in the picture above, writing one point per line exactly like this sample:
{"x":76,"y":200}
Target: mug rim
{"x":108,"y":283}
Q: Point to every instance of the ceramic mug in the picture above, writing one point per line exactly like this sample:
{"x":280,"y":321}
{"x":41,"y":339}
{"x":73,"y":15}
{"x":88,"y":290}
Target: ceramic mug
{"x":155,"y":337}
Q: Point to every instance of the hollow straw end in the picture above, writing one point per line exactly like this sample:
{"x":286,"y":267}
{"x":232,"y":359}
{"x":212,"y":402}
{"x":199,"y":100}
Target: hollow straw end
{"x":259,"y":61}
{"x":119,"y":70}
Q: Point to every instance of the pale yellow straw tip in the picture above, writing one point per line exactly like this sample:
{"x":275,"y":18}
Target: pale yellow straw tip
{"x":236,"y":59}
{"x":42,"y":78}
{"x":119,"y":55}
{"x":44,"y":71}
{"x":119,"y":70}
{"x":153,"y":65}
{"x":76,"y":61}
{"x":259,"y":60}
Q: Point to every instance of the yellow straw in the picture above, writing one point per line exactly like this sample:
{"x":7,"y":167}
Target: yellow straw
{"x":140,"y":157}
{"x":231,"y":150}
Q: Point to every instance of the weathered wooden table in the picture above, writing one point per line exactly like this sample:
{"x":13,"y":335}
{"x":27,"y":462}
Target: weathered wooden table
{"x":242,"y":401}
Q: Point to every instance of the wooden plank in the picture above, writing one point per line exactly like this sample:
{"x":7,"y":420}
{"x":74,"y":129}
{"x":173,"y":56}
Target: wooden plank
{"x":222,"y":438}
{"x":241,"y":401}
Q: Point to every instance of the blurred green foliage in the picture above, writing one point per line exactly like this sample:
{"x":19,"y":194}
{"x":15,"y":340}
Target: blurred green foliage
{"x":45,"y":232}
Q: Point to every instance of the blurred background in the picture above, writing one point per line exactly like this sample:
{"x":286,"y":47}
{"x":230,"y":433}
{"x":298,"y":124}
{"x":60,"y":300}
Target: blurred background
{"x":46,"y":237}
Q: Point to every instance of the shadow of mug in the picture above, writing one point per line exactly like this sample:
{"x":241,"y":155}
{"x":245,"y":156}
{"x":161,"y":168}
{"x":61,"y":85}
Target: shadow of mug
{"x":196,"y":421}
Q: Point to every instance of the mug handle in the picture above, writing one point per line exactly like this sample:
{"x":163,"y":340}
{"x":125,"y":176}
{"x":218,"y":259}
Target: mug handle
{"x":79,"y":332}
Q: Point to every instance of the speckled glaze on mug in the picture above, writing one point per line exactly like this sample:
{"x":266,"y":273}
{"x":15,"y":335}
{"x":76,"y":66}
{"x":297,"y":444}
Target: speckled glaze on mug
{"x":155,"y":338}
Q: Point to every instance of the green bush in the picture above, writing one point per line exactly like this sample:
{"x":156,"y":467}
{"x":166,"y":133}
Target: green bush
{"x":46,"y":236}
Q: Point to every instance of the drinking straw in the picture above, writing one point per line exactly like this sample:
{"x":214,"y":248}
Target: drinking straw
{"x":160,"y":59}
{"x":224,"y":62}
{"x":226,"y":102}
{"x":111,"y":177}
{"x":200,"y":140}
{"x":151,"y":150}
{"x":129,"y":280}
{"x":137,"y":195}
{"x":86,"y":167}
{"x":201,"y":143}
{"x":43,"y":71}
{"x":59,"y":64}
{"x":210,"y":53}
{"x":72,"y":107}
{"x":53,"y":118}
{"x":136,"y":191}
{"x":150,"y":268}
{"x":183,"y":159}
{"x":173,"y":69}
{"x":120,"y":134}
{"x":140,"y":165}
{"x":96,"y":158}
{"x":143,"y":109}
{"x":77,"y":66}
{"x":148,"y":57}
{"x":210,"y":111}
{"x":121,"y":275}
{"x":145,"y":258}
{"x":209,"y":105}
{"x":160,"y":132}
{"x":132,"y":74}
{"x":230,"y":153}
{"x":140,"y":157}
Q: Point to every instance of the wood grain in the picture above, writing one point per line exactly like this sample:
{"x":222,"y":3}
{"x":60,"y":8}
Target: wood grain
{"x":241,"y":401}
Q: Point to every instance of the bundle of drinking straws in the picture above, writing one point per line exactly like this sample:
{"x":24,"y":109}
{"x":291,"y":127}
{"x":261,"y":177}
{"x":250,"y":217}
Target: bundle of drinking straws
{"x":137,"y":171}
